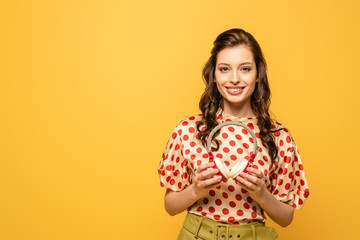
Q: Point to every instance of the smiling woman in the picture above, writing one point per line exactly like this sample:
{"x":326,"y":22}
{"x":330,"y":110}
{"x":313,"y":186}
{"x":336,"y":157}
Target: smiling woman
{"x":224,"y":204}
{"x":235,"y":77}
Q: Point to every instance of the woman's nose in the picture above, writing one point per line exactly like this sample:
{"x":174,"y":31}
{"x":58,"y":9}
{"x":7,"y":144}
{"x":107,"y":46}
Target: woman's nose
{"x":235,"y":78}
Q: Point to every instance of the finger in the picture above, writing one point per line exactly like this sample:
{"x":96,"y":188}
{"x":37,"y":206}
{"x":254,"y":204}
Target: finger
{"x":205,"y":166}
{"x":255,"y":171}
{"x":253,"y":179}
{"x":208,"y":173}
{"x":214,"y":185}
{"x":243,"y":186}
{"x":250,"y":178}
{"x":212,"y":182}
{"x":244,"y":183}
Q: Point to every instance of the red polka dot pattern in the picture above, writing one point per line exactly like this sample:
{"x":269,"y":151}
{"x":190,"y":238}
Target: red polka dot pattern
{"x":230,"y":203}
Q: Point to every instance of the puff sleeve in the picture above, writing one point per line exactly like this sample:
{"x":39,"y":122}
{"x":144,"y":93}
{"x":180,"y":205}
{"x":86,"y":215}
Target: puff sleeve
{"x":173,"y":171}
{"x":288,"y":183}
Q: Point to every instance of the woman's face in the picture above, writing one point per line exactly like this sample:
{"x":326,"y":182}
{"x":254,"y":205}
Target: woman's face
{"x":235,"y":77}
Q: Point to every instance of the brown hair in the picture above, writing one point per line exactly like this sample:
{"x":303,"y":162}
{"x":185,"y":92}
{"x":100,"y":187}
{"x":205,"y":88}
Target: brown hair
{"x":211,"y":100}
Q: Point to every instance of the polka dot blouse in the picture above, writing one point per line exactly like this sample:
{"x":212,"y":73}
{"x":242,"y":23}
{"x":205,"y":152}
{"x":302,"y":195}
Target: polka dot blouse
{"x":230,"y":203}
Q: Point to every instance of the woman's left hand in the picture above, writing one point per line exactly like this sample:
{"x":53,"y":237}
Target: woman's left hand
{"x":253,"y":182}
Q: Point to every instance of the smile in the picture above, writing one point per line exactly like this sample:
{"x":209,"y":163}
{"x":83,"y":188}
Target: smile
{"x":235,"y":90}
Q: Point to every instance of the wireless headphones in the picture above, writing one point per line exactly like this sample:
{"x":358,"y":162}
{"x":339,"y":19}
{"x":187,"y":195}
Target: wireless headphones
{"x":239,"y":166}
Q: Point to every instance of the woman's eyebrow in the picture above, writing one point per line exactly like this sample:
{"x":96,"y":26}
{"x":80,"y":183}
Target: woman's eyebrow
{"x":240,"y":63}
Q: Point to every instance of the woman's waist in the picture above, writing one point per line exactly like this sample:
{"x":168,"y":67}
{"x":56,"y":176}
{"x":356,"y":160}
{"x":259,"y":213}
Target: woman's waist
{"x":229,"y":215}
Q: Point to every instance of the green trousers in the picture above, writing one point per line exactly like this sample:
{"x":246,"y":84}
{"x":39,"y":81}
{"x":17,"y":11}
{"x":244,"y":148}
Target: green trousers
{"x":198,"y":227}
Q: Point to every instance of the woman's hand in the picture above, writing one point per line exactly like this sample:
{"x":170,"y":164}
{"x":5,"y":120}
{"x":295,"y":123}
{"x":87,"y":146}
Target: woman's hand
{"x":253,"y":182}
{"x":205,"y":179}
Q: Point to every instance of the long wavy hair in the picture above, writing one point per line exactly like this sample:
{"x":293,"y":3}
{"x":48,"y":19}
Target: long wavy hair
{"x":211,"y":100}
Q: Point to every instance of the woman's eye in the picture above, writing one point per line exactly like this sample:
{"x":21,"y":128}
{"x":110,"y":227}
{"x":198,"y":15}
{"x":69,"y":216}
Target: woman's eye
{"x":246,"y":69}
{"x":224,"y":69}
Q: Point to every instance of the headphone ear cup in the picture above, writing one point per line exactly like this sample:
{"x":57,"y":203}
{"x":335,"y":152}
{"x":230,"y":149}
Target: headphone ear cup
{"x":238,"y":168}
{"x":235,"y":169}
{"x":223,"y":170}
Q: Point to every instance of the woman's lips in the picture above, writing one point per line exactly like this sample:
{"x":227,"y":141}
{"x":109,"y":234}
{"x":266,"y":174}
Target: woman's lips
{"x":235,"y":90}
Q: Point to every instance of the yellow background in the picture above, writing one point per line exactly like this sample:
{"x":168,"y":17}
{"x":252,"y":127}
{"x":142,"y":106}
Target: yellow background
{"x":91,"y":90}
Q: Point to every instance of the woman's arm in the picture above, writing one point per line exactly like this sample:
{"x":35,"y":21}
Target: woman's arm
{"x":279,"y":212}
{"x":204,"y":180}
{"x":177,"y":202}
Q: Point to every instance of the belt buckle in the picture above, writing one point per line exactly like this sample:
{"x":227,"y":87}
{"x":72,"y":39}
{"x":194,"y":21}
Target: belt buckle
{"x":219,"y":226}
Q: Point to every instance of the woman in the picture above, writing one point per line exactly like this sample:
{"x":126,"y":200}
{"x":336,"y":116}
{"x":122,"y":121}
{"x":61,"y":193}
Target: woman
{"x":237,"y":90}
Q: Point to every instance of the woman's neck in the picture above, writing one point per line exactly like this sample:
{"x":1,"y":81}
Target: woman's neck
{"x":239,"y":111}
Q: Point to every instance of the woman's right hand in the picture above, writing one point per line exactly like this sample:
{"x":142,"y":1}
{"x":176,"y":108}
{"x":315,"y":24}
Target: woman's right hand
{"x":205,"y":179}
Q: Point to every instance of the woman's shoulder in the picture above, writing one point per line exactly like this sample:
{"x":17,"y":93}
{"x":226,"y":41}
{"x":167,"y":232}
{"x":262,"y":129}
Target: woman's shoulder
{"x":190,"y":121}
{"x":186,"y":128}
{"x":281,"y":133}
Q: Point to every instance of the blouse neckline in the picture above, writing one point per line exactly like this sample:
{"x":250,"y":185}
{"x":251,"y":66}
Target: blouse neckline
{"x":225,"y":117}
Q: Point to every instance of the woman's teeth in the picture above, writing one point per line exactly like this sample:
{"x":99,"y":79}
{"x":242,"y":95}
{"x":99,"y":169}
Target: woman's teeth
{"x":235,"y":89}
